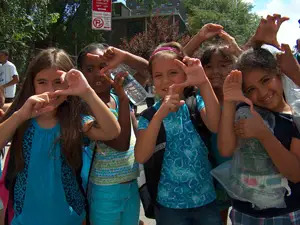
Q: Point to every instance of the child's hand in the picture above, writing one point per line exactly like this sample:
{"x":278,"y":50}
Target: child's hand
{"x":233,"y":47}
{"x":209,"y":30}
{"x":118,"y":86}
{"x":37,"y":105}
{"x":195,"y":74}
{"x":1,"y":113}
{"x":232,"y":88}
{"x":76,"y":82}
{"x":266,"y":32}
{"x":286,"y":61}
{"x":113,"y":57}
{"x":171,"y":103}
{"x":253,"y":127}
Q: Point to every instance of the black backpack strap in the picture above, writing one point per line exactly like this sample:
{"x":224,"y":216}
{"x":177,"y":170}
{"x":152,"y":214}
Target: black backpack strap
{"x":197,"y":121}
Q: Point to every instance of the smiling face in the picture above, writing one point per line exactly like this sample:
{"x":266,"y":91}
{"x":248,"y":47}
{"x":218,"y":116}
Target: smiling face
{"x":49,"y":80}
{"x":166,"y":72}
{"x":217,"y":69}
{"x":91,"y":69}
{"x":264,"y":89}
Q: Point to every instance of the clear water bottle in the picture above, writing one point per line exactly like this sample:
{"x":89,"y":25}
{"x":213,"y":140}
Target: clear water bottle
{"x":133,"y":89}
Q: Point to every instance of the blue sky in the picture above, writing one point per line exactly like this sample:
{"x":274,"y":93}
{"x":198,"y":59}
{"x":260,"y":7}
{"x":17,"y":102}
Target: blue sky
{"x":289,"y":30}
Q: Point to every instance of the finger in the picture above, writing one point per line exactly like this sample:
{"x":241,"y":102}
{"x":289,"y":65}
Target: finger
{"x":281,"y":20}
{"x":270,"y":19}
{"x":249,"y":102}
{"x":62,"y":75}
{"x":286,"y":48}
{"x":180,"y":64}
{"x":65,"y":92}
{"x":178,"y":88}
{"x":94,"y":56}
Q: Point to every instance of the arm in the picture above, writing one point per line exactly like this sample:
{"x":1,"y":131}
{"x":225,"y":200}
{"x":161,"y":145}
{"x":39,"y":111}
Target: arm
{"x":121,"y":143}
{"x":212,"y":111}
{"x":146,"y":139}
{"x":226,"y":136}
{"x":207,"y":31}
{"x":288,"y":64}
{"x":15,"y":80}
{"x":115,"y":56}
{"x":287,"y":162}
{"x":107,"y":126}
{"x":232,"y":92}
{"x":8,"y":128}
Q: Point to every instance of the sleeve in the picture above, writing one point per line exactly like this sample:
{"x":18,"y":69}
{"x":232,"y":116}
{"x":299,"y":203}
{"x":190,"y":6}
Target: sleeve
{"x":13,"y":71}
{"x":143,"y":123}
{"x":200,"y":102}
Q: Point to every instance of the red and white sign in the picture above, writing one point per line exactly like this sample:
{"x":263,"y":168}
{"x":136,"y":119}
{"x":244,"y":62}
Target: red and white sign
{"x":101,"y":15}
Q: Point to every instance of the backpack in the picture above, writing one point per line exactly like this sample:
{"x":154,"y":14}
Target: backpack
{"x":152,"y":168}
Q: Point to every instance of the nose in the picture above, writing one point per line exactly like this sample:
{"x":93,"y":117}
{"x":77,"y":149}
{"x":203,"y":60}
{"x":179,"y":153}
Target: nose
{"x":262,"y":92}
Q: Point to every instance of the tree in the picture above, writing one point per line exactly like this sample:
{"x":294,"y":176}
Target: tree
{"x":234,"y":15}
{"x":22,"y":23}
{"x":159,"y":30}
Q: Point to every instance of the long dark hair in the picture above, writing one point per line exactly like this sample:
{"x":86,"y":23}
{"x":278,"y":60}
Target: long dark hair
{"x":68,"y":115}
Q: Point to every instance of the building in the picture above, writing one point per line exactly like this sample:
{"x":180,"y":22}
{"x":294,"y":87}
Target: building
{"x":132,"y":18}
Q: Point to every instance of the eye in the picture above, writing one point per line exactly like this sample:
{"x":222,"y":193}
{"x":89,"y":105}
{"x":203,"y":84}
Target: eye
{"x":41,"y":82}
{"x":157,"y":75}
{"x":249,"y":91}
{"x":266,"y":79}
{"x":173,"y":73}
{"x":57,"y":82}
{"x":89,"y":69}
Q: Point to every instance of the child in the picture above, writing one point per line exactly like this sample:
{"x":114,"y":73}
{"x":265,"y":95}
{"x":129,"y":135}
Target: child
{"x":186,"y":193}
{"x":44,"y":124}
{"x":113,"y":191}
{"x":260,"y":80}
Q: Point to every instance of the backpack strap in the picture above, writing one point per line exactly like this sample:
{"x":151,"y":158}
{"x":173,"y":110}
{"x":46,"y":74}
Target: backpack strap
{"x":152,"y":168}
{"x":197,"y":121}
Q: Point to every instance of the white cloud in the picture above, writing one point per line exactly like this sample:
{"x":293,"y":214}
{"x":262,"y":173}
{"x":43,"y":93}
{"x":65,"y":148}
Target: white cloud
{"x":289,"y":30}
{"x":248,"y":1}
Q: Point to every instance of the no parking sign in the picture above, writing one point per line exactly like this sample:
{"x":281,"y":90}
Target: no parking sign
{"x":101,"y":15}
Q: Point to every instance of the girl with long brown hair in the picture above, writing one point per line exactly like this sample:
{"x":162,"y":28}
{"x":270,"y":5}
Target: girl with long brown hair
{"x":46,"y":127}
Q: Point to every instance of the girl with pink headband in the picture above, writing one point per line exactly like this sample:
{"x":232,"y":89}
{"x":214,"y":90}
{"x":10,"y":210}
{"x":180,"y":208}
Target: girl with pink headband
{"x":186,"y":194}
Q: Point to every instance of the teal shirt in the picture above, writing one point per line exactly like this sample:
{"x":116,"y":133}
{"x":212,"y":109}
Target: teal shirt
{"x":185,"y":180}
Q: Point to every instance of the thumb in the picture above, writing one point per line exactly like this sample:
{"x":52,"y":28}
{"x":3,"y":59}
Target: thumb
{"x":286,"y":48}
{"x":181,"y":102}
{"x":249,"y":102}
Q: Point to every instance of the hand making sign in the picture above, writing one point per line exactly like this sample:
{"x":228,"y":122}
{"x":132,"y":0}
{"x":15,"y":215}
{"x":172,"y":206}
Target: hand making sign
{"x":101,"y":14}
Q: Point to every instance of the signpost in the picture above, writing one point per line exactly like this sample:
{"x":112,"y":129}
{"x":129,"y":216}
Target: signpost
{"x":101,"y":14}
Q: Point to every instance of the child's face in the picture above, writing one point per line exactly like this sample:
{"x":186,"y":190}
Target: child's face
{"x":165,"y":73}
{"x":91,"y":70}
{"x":264,"y":89}
{"x":217,"y":70}
{"x":48,"y":80}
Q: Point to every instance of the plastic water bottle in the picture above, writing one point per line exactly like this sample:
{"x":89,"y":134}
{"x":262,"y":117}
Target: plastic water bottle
{"x":133,"y":89}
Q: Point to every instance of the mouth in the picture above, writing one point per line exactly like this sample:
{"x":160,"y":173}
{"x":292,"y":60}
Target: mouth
{"x":268,"y":99}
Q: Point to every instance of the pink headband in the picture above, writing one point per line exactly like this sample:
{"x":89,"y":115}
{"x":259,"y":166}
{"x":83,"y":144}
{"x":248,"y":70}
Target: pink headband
{"x":164,"y":49}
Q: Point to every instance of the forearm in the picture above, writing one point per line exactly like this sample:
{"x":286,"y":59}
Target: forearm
{"x":15,"y":80}
{"x":287,"y":163}
{"x":252,"y":43}
{"x":226,"y":135}
{"x":146,"y":140}
{"x":106,"y":120}
{"x":193,"y":44}
{"x":139,"y":64}
{"x":295,"y":76}
{"x":121,"y":143}
{"x":212,"y":106}
{"x":8,"y":128}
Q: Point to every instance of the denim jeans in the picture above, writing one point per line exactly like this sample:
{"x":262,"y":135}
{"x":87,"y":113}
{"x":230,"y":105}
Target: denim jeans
{"x":204,"y":215}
